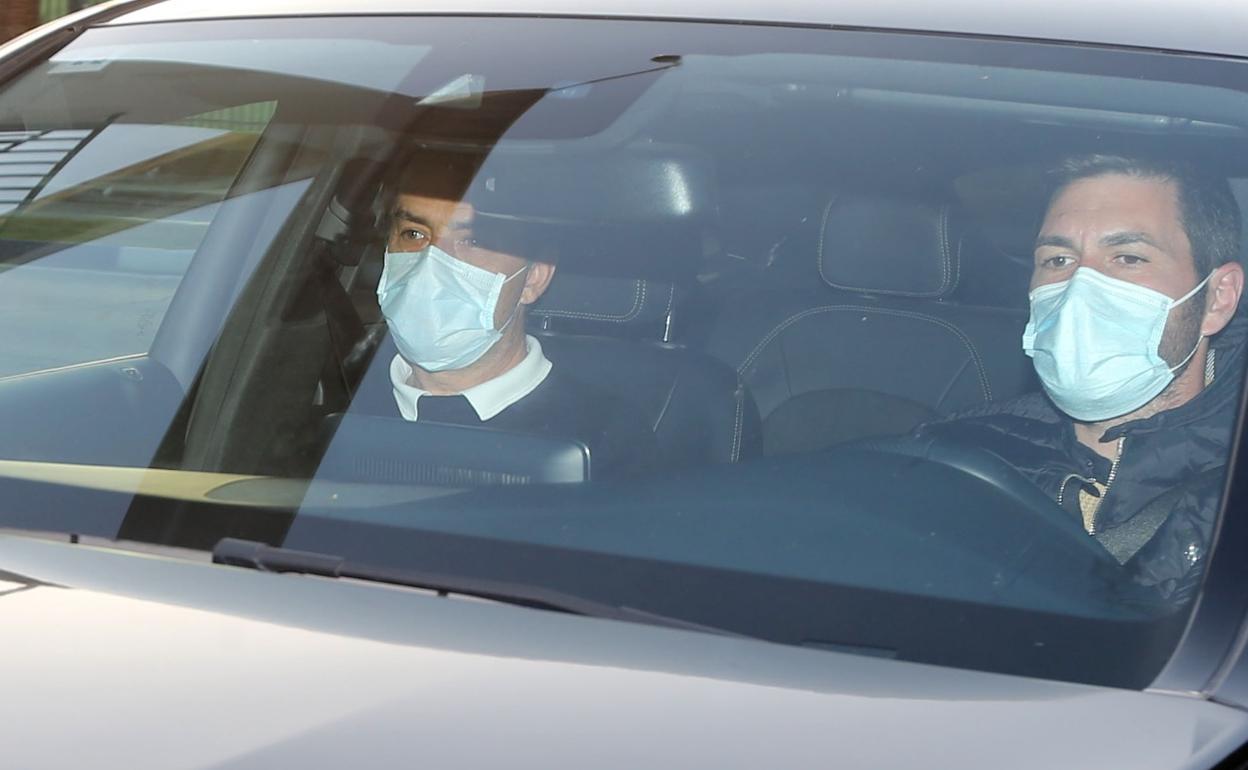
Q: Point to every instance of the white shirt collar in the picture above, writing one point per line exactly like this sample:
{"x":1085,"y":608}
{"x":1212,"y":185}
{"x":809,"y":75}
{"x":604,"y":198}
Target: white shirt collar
{"x":488,"y":398}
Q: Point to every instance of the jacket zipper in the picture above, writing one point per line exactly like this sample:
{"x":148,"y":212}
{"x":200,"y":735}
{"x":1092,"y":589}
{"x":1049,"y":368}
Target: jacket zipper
{"x":1109,"y":482}
{"x":1061,"y":490}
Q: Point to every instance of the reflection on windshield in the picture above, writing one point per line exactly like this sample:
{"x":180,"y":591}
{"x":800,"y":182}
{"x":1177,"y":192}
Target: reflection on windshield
{"x":864,"y":348}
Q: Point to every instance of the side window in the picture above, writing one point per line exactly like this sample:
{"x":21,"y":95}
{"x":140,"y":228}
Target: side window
{"x":109,"y":216}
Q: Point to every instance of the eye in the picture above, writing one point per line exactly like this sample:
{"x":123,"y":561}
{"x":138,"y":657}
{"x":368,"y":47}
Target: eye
{"x":1058,"y":261}
{"x":1130,"y":259}
{"x":414,"y":237}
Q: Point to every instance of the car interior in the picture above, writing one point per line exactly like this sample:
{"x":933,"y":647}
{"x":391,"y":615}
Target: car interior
{"x":619,"y":333}
{"x":797,"y":365}
{"x":767,"y":281}
{"x":848,"y":314}
{"x":763,"y":285}
{"x":777,"y":259}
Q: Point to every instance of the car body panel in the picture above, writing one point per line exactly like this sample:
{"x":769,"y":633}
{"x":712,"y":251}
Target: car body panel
{"x":165,"y":662}
{"x":1232,"y":689}
{"x":1212,"y":26}
{"x":34,"y":38}
{"x":196,"y":665}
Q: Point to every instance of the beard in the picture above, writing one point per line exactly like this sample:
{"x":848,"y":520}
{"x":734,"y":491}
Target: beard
{"x":1182,"y":334}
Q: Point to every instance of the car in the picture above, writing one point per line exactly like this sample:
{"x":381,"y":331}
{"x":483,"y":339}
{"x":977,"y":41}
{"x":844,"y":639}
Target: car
{"x":773,"y":250}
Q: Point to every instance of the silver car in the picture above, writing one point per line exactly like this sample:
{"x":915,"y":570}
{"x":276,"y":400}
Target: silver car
{"x":649,"y":384}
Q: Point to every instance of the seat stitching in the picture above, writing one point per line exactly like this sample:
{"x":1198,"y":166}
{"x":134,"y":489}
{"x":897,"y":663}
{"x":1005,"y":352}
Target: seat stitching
{"x":823,"y":232}
{"x":735,"y":454}
{"x":783,"y":325}
{"x":885,"y":292}
{"x":945,"y":262}
{"x":945,"y":271}
{"x":639,"y":301}
{"x":954,"y":272}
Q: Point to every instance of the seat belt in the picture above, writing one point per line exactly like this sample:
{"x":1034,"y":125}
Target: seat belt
{"x":1128,"y":538}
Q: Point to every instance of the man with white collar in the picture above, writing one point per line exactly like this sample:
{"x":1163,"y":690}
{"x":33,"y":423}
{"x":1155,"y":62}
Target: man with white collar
{"x":456,"y":313}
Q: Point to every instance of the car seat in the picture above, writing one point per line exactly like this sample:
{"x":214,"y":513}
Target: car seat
{"x":881,"y":340}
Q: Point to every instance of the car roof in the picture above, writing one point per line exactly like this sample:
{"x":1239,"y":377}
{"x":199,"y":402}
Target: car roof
{"x":1205,"y":26}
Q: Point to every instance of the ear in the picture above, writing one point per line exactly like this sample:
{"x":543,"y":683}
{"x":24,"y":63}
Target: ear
{"x":536,"y":279}
{"x":1222,"y":297}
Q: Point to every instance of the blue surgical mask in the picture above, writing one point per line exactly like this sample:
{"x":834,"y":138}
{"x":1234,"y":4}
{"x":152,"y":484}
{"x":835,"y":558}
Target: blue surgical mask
{"x":1095,"y":342}
{"x":440,"y":310}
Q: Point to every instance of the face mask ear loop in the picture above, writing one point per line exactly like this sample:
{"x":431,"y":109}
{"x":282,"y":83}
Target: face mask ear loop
{"x":515,"y":309}
{"x":1191,"y":293}
{"x":1180,"y":301}
{"x":1183,"y":363}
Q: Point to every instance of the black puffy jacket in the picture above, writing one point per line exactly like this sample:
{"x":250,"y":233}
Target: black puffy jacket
{"x":1181,"y":449}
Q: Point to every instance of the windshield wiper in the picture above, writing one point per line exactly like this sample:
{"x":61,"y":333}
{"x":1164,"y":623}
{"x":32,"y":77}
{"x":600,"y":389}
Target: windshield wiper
{"x":254,"y":555}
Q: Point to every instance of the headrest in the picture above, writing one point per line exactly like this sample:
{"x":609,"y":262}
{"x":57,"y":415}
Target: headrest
{"x":633,"y":308}
{"x":635,"y":212}
{"x":890,"y":246}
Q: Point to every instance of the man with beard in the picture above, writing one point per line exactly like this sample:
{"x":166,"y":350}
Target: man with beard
{"x":1134,"y":336}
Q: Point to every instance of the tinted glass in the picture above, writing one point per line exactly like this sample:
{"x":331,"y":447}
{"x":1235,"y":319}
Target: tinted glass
{"x":610,"y":307}
{"x":110,"y":217}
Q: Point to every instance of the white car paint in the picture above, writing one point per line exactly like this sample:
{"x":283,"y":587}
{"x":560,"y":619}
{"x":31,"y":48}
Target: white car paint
{"x":149,"y":661}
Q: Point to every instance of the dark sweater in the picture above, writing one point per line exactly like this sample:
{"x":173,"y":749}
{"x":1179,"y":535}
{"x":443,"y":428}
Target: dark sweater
{"x":619,"y":440}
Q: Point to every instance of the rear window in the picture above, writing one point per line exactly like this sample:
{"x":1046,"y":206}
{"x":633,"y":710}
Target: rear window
{"x":905,"y":346}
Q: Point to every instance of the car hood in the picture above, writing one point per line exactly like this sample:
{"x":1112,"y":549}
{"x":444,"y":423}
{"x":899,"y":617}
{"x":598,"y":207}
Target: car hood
{"x":115,"y":659}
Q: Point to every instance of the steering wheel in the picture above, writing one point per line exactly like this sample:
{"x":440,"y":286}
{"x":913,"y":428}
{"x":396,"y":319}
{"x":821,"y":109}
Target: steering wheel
{"x":996,"y":471}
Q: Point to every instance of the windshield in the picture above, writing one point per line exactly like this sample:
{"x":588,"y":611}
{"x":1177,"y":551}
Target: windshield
{"x":925,"y":348}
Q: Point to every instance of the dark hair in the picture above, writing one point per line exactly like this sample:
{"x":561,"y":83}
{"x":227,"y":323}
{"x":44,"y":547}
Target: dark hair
{"x":1207,"y":208}
{"x":435,"y":172}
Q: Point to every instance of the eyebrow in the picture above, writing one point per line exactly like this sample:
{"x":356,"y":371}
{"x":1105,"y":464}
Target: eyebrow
{"x":1055,"y":240}
{"x":1113,"y":239}
{"x":454,"y":225}
{"x":409,"y":216}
